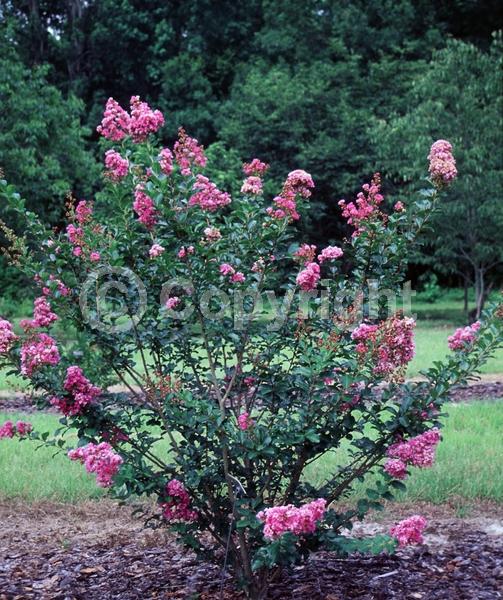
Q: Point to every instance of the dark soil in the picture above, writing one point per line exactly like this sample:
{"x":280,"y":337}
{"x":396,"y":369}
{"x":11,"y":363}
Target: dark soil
{"x":95,"y":551}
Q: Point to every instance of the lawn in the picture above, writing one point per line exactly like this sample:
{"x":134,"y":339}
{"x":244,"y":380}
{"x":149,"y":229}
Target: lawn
{"x":469,"y":462}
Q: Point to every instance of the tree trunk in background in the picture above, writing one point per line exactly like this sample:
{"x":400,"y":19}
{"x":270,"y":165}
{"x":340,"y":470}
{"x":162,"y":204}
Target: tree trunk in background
{"x":38,"y":32}
{"x":465,"y":296}
{"x":74,"y":11}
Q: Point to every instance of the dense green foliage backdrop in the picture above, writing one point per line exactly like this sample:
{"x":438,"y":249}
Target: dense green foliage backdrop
{"x":339,"y":88}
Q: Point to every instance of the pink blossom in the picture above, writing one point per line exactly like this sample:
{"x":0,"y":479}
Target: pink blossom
{"x":100,"y":459}
{"x":156,"y":250}
{"x":237,"y":277}
{"x":94,"y":257}
{"x":299,"y":182}
{"x":38,"y":351}
{"x":172,"y":302}
{"x":226,"y":269}
{"x":75,"y":234}
{"x":252,"y":185}
{"x":188,"y":153}
{"x":309,"y":277}
{"x":80,"y":392}
{"x":7,"y":336}
{"x":115,"y":123}
{"x":366,"y":206}
{"x":23,"y":428}
{"x":396,"y":468}
{"x":463,"y":337}
{"x":212,"y":234}
{"x":166,"y":161}
{"x":185,"y":251}
{"x":329,"y":253}
{"x":255,"y":168}
{"x":7,"y":430}
{"x":285,"y":208}
{"x":390,"y":344}
{"x":306,"y":253}
{"x":77,"y":251}
{"x":177,"y":508}
{"x":143,"y":206}
{"x":399,"y":207}
{"x":244,"y":421}
{"x":409,"y":531}
{"x":418,"y":451}
{"x":42,"y":315}
{"x":280,"y":519}
{"x":83,"y":212}
{"x":117,"y":167}
{"x":442,"y":163}
{"x":207,"y":195}
{"x":143,"y":120}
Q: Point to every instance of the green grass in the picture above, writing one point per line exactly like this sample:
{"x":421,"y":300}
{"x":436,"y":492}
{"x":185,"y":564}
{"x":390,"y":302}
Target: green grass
{"x":431,"y":345}
{"x":469,"y":462}
{"x":32,"y":473}
{"x":469,"y":459}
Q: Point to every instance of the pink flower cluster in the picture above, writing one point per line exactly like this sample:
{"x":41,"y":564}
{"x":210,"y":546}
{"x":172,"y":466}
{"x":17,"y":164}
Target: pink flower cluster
{"x":255,"y":167}
{"x":463,"y":337}
{"x":117,"y":167}
{"x":212,"y":234}
{"x":297,"y":183}
{"x":308,"y":278}
{"x":419,"y":451}
{"x":83,"y":212}
{"x":229,"y":271}
{"x":285,"y":208}
{"x":244,"y":419}
{"x":185,"y":251}
{"x":280,"y":519}
{"x":100,"y":459}
{"x":21,"y":428}
{"x":38,"y":351}
{"x":172,"y":303}
{"x":442,"y":163}
{"x":329,"y":253}
{"x":207,"y":195}
{"x":117,"y":123}
{"x":306,"y":253}
{"x":42,"y":315}
{"x":60,"y":286}
{"x":409,"y":531}
{"x":188,"y":153}
{"x":7,"y":336}
{"x":252,"y":185}
{"x":144,"y":120}
{"x":143,"y":206}
{"x":166,"y":161}
{"x":366,"y":205}
{"x":391,"y":344}
{"x":178,"y":506}
{"x":156,"y":250}
{"x":81,"y":392}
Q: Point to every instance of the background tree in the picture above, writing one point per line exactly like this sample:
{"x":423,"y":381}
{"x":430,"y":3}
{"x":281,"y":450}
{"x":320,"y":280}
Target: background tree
{"x":459,"y":97}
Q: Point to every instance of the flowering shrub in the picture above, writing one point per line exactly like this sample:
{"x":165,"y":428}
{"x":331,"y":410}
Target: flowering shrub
{"x":159,"y":286}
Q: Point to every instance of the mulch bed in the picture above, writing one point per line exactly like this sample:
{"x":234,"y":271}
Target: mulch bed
{"x":96,"y":552}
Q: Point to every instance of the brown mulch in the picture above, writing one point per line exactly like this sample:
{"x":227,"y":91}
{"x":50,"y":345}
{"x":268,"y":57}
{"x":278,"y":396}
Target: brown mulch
{"x":95,"y":551}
